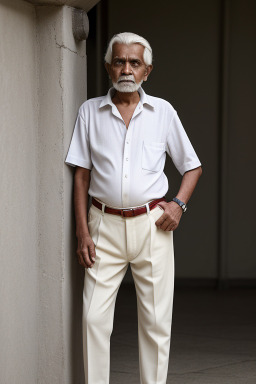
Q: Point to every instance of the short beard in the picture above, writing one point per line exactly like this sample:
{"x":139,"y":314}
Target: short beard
{"x":127,"y":87}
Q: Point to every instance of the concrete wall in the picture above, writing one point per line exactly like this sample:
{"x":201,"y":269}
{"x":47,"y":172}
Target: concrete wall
{"x":74,"y":77}
{"x":18,"y":194}
{"x":43,"y":82}
{"x":61,"y":65}
{"x":242,"y":138}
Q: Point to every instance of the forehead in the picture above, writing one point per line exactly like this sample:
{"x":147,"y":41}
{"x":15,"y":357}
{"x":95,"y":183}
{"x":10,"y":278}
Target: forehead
{"x":135,"y":50}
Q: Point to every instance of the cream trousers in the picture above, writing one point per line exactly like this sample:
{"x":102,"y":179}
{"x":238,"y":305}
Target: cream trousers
{"x":149,"y":250}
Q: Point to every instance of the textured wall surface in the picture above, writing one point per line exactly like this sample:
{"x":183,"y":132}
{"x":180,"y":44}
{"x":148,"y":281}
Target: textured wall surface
{"x":62,"y":79}
{"x":82,"y":4}
{"x":50,"y":196}
{"x":74,"y":78}
{"x":18,"y":194}
{"x":43,"y":80}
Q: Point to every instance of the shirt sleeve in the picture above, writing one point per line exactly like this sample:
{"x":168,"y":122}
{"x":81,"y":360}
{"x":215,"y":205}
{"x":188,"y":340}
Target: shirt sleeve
{"x":179,"y":147}
{"x":79,"y":153}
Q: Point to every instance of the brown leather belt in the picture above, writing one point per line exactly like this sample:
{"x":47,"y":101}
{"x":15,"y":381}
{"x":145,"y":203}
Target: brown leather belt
{"x":127,"y":212}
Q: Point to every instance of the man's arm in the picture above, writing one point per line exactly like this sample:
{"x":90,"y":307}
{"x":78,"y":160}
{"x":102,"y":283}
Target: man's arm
{"x":170,"y":219}
{"x":85,"y":247}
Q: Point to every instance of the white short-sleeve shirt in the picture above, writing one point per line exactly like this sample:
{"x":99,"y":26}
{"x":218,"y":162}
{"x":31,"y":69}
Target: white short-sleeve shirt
{"x":127,"y":164}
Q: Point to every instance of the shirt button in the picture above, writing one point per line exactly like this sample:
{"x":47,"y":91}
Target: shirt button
{"x":126,"y":176}
{"x":127,"y":142}
{"x":126,"y":158}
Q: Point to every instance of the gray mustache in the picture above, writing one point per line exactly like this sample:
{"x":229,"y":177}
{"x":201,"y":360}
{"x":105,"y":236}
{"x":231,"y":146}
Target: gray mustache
{"x":131,"y":78}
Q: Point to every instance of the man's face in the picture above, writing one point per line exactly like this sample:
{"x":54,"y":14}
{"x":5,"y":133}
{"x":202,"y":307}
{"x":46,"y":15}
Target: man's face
{"x":127,"y":69}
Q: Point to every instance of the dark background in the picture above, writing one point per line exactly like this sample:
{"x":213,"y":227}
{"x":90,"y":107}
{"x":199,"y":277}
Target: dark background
{"x":204,"y":61}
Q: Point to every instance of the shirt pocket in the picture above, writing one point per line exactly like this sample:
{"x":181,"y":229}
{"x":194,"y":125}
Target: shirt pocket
{"x":153,"y":156}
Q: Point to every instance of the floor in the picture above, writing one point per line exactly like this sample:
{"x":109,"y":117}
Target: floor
{"x":213,"y":337}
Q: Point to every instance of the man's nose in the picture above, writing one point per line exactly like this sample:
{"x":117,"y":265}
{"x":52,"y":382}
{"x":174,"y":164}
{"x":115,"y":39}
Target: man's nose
{"x":127,"y":68}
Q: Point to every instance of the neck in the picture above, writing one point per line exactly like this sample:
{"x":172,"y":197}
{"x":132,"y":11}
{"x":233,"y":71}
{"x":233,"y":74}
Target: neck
{"x":126,"y":98}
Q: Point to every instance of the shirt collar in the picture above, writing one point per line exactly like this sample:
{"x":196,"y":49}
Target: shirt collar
{"x":144,"y":99}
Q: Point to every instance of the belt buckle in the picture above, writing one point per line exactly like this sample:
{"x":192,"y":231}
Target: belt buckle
{"x":127,"y":210}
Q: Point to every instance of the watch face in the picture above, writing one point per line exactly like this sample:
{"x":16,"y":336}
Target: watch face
{"x":184,"y":208}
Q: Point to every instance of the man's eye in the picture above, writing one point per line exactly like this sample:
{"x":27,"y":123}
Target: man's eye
{"x":135,"y":63}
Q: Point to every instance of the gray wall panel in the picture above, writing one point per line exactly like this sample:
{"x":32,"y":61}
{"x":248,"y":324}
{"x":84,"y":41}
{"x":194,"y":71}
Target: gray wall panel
{"x":242,"y":139}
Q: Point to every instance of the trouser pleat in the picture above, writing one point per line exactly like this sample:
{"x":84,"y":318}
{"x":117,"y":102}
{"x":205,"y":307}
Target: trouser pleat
{"x":150,"y":254}
{"x":153,"y":273}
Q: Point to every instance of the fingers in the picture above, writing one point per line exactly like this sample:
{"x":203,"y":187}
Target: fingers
{"x":86,"y":255}
{"x":161,"y":220}
{"x":83,"y":258}
{"x":171,"y":227}
{"x":170,"y":219}
{"x":166,"y":226}
{"x":166,"y":223}
{"x":92,"y":252}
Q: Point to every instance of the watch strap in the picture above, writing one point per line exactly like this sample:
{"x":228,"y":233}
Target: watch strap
{"x":180,"y":203}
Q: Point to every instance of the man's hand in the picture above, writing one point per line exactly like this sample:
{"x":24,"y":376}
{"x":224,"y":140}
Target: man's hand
{"x":170,"y":219}
{"x":86,"y":250}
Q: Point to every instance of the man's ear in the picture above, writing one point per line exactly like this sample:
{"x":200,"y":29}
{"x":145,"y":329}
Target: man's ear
{"x":147,"y":71}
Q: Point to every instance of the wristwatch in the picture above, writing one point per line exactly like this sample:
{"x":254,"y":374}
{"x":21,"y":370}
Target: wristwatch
{"x":181,"y":204}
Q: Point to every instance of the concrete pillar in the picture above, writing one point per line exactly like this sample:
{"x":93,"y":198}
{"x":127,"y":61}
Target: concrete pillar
{"x":18,"y":194}
{"x":62,"y":89}
{"x":43,"y":77}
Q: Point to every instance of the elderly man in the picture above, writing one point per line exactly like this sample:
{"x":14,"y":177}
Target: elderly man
{"x":119,"y":147}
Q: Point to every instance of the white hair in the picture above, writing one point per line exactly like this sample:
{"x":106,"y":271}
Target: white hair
{"x":130,"y":38}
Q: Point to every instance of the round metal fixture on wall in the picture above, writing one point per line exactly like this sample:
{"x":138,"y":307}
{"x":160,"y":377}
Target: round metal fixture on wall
{"x":80,"y":24}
